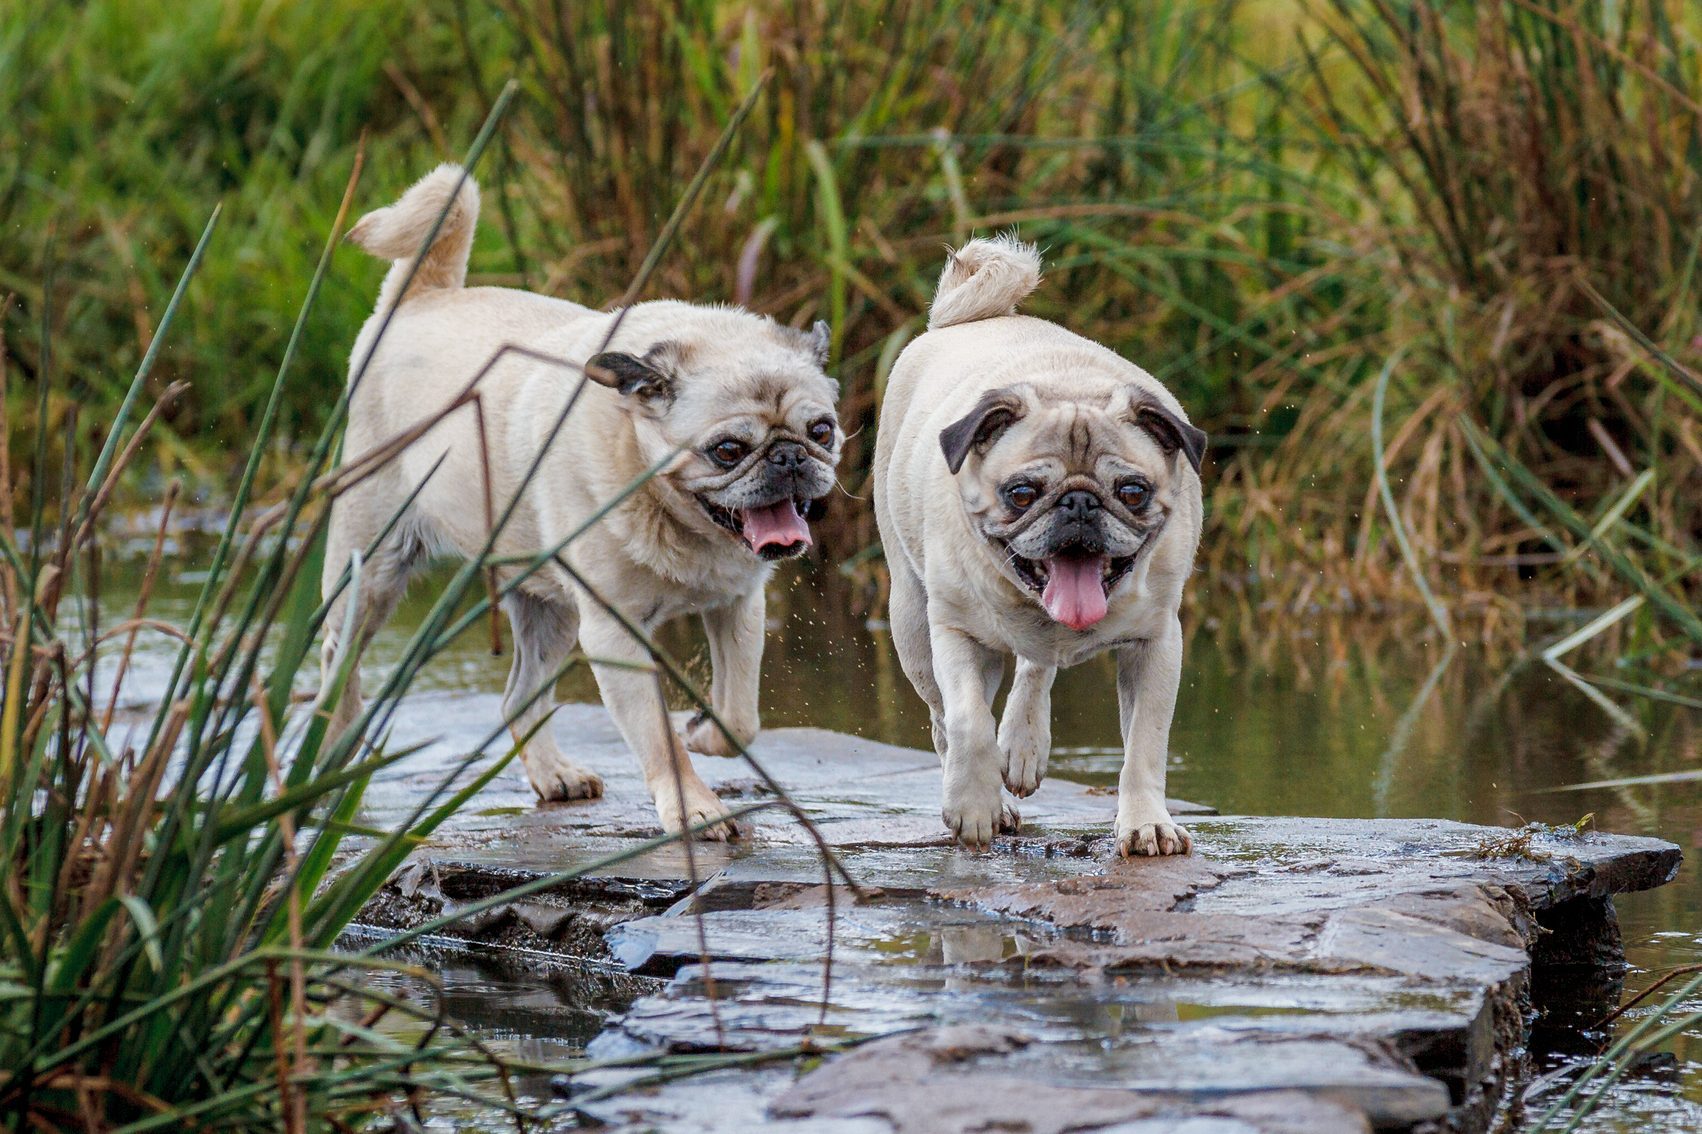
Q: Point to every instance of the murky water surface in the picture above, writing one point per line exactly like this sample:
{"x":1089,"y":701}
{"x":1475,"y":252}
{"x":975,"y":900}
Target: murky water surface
{"x":1330,"y":719}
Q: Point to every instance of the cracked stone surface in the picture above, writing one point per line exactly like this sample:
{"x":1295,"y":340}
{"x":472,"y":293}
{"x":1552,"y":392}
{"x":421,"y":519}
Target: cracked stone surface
{"x":1290,"y":975}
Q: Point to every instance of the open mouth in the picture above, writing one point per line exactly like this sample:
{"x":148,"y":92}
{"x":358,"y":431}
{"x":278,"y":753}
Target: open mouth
{"x":1074,"y":586}
{"x":773,"y":531}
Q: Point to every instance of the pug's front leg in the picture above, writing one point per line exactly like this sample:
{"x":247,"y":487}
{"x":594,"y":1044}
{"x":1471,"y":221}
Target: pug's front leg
{"x":971,"y":805}
{"x":1025,"y":731}
{"x":735,"y":633}
{"x":1148,"y":674}
{"x":633,"y":697}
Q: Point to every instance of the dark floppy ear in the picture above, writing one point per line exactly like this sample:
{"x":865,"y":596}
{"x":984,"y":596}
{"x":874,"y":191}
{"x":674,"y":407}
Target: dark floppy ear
{"x":996,"y":412}
{"x":1171,"y":432}
{"x":647,"y":378}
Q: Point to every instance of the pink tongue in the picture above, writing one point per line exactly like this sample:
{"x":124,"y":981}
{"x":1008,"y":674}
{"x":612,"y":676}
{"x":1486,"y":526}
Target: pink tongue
{"x":776,"y":525}
{"x":1074,"y":594}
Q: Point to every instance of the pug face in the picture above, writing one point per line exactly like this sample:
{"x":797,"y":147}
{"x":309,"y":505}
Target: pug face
{"x":1069,"y":491}
{"x":754,"y":415}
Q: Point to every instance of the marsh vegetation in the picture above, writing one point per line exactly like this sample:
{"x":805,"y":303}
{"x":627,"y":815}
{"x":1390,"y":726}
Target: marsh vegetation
{"x":1426,"y":271}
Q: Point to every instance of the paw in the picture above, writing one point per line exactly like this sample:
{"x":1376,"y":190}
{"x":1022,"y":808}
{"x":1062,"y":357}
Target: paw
{"x":557,"y":779}
{"x":705,"y":736}
{"x":1025,"y":761}
{"x":974,"y":817}
{"x":1010,"y":819}
{"x":700,"y":806}
{"x":1151,"y":831}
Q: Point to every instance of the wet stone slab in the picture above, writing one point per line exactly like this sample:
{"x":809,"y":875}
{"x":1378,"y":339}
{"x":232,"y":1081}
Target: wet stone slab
{"x":1292,"y":974}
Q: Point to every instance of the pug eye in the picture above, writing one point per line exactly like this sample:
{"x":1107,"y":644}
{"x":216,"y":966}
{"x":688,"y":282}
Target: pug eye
{"x":1133,"y":494}
{"x":1021,"y":496}
{"x":728,"y":453}
{"x":821,"y":432}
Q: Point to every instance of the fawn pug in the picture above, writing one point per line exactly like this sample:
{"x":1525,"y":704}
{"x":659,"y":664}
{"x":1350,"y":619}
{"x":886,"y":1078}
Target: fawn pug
{"x":1037,"y":496}
{"x":741,"y":402}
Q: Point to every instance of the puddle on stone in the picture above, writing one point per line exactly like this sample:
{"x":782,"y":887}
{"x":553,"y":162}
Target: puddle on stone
{"x":530,"y":1010}
{"x":512,"y":994}
{"x":956,"y":945}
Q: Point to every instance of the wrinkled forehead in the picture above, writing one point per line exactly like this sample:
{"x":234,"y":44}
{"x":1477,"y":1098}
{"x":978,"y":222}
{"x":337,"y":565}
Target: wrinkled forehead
{"x":767,"y":386}
{"x":763,"y":395}
{"x":1081,"y":433}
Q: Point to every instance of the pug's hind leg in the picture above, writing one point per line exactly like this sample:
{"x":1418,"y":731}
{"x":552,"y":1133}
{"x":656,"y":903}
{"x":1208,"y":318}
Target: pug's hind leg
{"x":907,"y":616}
{"x":375,"y":593}
{"x":972,"y":806}
{"x":633,"y":697}
{"x":735,"y":636}
{"x":544,"y":633}
{"x":1025,"y":731}
{"x":1148,"y":674}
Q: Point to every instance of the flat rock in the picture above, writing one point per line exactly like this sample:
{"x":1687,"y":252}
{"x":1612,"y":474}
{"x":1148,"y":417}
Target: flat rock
{"x":955,"y":1080}
{"x":772,"y":1005}
{"x":978,"y":1077}
{"x":1291,"y":974}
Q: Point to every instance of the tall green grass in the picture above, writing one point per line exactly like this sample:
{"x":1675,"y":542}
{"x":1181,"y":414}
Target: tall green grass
{"x":168,"y":907}
{"x":1529,"y":194}
{"x":121,"y":122}
{"x":1262,"y":201}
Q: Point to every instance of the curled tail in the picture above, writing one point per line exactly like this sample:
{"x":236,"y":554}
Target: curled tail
{"x":984,"y":279}
{"x":395,"y":233}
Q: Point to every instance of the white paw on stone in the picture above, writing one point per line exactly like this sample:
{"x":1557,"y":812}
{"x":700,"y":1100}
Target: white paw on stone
{"x":1010,"y":819}
{"x":557,"y":779}
{"x":705,"y":736}
{"x":700,"y":806}
{"x":974,"y":816}
{"x":1152,"y":835}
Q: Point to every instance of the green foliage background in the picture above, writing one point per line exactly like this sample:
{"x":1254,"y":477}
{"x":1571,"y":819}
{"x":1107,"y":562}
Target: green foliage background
{"x":1261,"y":201}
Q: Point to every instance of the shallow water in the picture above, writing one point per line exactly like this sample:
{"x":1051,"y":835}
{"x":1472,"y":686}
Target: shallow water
{"x":1330,"y":719}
